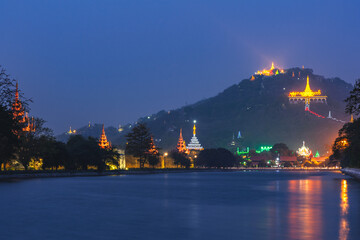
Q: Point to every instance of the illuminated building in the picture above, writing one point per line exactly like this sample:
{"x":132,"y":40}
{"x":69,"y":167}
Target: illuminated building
{"x":71,"y":131}
{"x":239,"y":135}
{"x":20,"y":115}
{"x":30,"y":125}
{"x":307,"y":96}
{"x":352,"y":118}
{"x":153,"y":150}
{"x":181,"y":146}
{"x":103,"y":142}
{"x":233,"y":143}
{"x":17,"y":109}
{"x":264,"y":149}
{"x":194,"y":142}
{"x":270,"y":72}
{"x":304,"y":151}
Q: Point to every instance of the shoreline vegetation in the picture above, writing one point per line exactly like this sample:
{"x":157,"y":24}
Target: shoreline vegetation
{"x":25,"y":144}
{"x":9,"y":175}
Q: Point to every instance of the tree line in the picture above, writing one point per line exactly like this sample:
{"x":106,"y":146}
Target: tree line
{"x":39,"y":147}
{"x":346,"y":147}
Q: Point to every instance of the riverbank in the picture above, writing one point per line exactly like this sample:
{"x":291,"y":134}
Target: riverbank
{"x":352,"y":172}
{"x":8,"y":175}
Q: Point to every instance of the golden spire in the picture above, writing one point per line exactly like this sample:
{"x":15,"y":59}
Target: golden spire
{"x":352,"y":118}
{"x":194,"y":128}
{"x":307,"y":88}
{"x":272,"y":66}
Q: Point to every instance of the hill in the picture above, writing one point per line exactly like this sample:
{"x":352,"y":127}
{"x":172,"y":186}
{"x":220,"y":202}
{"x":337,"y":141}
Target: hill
{"x":257,"y":107}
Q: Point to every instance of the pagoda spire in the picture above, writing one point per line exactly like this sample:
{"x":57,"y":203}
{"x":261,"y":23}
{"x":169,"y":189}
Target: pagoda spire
{"x":18,"y":111}
{"x":307,"y":88}
{"x":153,"y":150}
{"x":103,"y":142}
{"x":194,"y":129}
{"x":272,"y":66}
{"x":181,"y":145}
{"x":352,"y":118}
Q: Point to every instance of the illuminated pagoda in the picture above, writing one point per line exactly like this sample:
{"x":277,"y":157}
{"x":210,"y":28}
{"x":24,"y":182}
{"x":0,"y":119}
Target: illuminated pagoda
{"x":71,"y":131}
{"x":304,"y":151}
{"x":270,"y":72}
{"x":181,"y":145}
{"x":20,"y":115}
{"x":153,"y":150}
{"x":17,"y":109}
{"x":30,"y":125}
{"x":103,"y":142}
{"x":194,"y":142}
{"x":307,"y":96}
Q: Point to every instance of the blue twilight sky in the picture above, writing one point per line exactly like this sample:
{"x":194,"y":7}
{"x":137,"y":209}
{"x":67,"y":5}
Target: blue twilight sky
{"x":112,"y":62}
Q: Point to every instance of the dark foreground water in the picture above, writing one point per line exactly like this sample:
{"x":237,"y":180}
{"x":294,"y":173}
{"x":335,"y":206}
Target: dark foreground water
{"x":219,"y":205}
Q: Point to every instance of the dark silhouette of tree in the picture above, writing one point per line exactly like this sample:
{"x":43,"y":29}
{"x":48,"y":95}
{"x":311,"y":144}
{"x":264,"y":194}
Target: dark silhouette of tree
{"x":153,"y":160}
{"x":139,"y":143}
{"x":52,"y":152}
{"x":30,"y":144}
{"x":280,"y":148}
{"x":180,"y":159}
{"x":353,"y":101}
{"x":215,"y":158}
{"x":84,"y":153}
{"x":346,"y":147}
{"x":8,"y":140}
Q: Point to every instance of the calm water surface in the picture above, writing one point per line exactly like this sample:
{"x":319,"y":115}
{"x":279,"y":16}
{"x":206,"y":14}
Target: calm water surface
{"x":218,"y":205}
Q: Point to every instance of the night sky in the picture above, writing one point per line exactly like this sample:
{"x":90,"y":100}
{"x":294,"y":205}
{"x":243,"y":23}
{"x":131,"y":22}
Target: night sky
{"x":112,"y":62}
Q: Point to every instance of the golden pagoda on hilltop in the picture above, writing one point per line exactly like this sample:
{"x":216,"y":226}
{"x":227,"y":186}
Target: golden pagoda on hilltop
{"x":20,"y":115}
{"x":269,"y":72}
{"x":103,"y":142}
{"x":306,"y":96}
{"x":181,"y":146}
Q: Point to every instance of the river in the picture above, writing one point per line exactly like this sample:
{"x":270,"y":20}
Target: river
{"x":205,"y":205}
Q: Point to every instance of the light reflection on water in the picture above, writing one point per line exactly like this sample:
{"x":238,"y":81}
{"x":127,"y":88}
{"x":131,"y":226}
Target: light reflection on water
{"x":305,"y":210}
{"x":344,"y":206}
{"x":218,"y":205}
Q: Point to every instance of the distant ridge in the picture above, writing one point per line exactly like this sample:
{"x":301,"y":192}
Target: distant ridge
{"x":258,"y":107}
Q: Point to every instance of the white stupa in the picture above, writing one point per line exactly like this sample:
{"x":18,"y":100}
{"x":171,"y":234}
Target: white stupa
{"x":194,"y":142}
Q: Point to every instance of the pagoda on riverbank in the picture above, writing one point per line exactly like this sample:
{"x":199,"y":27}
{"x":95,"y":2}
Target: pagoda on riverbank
{"x":20,"y":115}
{"x":194,"y":144}
{"x":103,"y":142}
{"x":181,"y":146}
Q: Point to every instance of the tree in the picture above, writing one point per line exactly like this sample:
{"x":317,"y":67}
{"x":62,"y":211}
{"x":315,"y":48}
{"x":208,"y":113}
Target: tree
{"x":281,"y":149}
{"x":8,"y":140}
{"x":153,"y":160}
{"x":346,"y":147}
{"x":139,"y":143}
{"x":52,"y":152}
{"x":180,"y":159}
{"x":29,"y":142}
{"x":353,"y":101}
{"x":83,"y":153}
{"x":215,"y":158}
